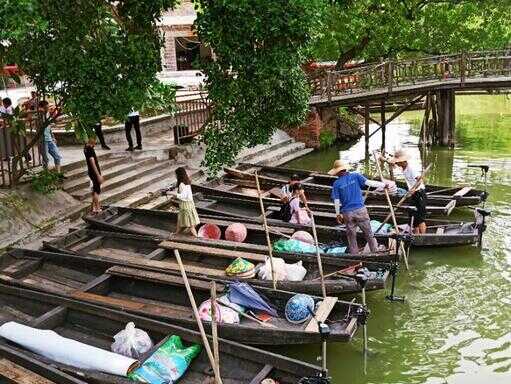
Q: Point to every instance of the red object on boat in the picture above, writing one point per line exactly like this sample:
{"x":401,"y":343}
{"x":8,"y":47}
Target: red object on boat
{"x":210,"y":231}
{"x":236,"y":232}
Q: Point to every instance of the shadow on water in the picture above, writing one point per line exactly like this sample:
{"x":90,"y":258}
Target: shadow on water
{"x":455,"y":324}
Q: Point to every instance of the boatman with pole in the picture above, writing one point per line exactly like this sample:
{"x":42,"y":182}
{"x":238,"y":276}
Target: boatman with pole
{"x":349,"y":204}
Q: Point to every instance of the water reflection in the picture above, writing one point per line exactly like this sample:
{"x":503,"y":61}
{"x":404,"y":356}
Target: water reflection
{"x":455,"y":324}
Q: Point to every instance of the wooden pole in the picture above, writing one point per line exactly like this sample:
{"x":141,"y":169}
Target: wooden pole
{"x":391,"y":208}
{"x":366,"y":120}
{"x":383,"y":125}
{"x":214,"y":329}
{"x":205,"y":341}
{"x":318,"y":256}
{"x":265,"y":225}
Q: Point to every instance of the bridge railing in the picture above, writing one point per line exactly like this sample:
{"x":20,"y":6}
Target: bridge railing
{"x":391,"y":74}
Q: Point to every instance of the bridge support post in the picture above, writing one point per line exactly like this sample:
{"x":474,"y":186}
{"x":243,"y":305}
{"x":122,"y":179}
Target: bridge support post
{"x":446,"y":117}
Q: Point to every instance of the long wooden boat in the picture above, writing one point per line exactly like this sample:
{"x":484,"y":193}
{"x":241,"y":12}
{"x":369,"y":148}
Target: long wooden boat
{"x":463,"y":195}
{"x":96,"y":325}
{"x":440,"y":233}
{"x":163,"y":296}
{"x":209,"y":263}
{"x":318,"y":199}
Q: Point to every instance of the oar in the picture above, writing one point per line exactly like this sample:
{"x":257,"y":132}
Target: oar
{"x":205,"y":341}
{"x":265,"y":224}
{"x":214,"y":329}
{"x":320,"y":264}
{"x":406,"y":196}
{"x":391,"y":208}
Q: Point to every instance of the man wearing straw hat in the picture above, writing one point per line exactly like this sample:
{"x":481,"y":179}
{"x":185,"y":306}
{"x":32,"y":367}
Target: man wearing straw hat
{"x":349,"y":204}
{"x":414,"y":181}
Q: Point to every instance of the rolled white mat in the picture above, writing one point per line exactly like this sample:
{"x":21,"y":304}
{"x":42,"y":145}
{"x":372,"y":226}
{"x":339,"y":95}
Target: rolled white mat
{"x":67,"y":351}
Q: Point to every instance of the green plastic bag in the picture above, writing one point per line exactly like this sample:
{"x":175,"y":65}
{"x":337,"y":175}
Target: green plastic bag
{"x":293,"y":246}
{"x":167,"y":364}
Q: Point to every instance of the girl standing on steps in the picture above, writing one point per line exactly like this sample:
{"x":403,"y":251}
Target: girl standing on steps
{"x":187,"y":218}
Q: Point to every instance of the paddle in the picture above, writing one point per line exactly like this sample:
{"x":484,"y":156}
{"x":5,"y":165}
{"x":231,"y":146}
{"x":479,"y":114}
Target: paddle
{"x":205,"y":341}
{"x":320,"y":264}
{"x":391,"y":208}
{"x":214,"y":329}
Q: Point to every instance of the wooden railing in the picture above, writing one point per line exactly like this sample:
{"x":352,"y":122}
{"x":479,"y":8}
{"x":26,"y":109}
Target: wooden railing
{"x":191,"y":116}
{"x":391,"y":74}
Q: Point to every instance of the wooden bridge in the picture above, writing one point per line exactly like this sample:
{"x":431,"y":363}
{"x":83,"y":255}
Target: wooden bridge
{"x":429,"y":81}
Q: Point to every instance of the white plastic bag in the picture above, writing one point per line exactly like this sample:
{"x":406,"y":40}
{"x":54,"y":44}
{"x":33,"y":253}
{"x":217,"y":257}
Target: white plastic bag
{"x":279,"y":266}
{"x":131,"y":342}
{"x":295,"y":272}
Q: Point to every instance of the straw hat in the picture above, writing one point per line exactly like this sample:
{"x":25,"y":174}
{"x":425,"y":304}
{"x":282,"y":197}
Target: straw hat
{"x":400,"y":156}
{"x":339,"y":166}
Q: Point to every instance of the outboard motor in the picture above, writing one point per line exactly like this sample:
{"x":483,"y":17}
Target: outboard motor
{"x":480,"y":220}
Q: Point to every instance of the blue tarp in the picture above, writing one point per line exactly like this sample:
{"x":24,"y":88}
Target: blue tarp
{"x":243,"y":294}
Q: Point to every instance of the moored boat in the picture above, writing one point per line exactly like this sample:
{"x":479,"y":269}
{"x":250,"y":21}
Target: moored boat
{"x":96,"y":325}
{"x":163,"y":296}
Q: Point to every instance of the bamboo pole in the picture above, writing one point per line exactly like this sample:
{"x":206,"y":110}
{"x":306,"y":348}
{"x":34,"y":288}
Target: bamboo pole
{"x":265,"y":225}
{"x":391,"y":208}
{"x":205,"y":341}
{"x":214,"y":328}
{"x":318,"y":256}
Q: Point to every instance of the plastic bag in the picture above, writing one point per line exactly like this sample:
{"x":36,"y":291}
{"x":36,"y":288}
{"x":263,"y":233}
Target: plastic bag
{"x":167,"y":364}
{"x":295,"y":272}
{"x":279,"y":268}
{"x":224,"y":314}
{"x":131,"y":342}
{"x":293,"y":246}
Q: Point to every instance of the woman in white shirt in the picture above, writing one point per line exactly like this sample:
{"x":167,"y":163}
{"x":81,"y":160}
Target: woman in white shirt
{"x":187,"y":218}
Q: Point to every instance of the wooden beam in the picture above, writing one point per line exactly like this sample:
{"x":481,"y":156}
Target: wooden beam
{"x":383,"y":125}
{"x":367,"y":136}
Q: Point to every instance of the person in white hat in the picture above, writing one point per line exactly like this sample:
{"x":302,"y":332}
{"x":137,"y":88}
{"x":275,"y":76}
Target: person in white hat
{"x":349,"y":204}
{"x":414,"y":182}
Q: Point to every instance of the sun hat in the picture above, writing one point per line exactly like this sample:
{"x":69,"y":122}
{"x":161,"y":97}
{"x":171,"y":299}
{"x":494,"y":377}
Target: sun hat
{"x":399,"y":156}
{"x":339,"y":166}
{"x":236,"y":232}
{"x":210,"y":231}
{"x":298,"y":308}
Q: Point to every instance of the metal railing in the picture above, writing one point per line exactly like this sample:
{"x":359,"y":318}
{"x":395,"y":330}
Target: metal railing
{"x":391,"y":74}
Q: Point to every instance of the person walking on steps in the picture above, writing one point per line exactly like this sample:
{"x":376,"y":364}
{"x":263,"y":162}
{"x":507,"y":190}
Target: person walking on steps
{"x":133,"y":121}
{"x":98,"y":130}
{"x":187,"y":218}
{"x":94,"y":172}
{"x":49,"y":142}
{"x":414,"y":181}
{"x":349,"y":204}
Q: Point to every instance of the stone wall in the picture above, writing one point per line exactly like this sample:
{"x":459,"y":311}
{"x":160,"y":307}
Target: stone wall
{"x":321,"y":120}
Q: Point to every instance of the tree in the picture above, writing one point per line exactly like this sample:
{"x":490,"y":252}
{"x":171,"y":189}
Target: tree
{"x":370,"y":29}
{"x":255,"y":84}
{"x":94,"y":58}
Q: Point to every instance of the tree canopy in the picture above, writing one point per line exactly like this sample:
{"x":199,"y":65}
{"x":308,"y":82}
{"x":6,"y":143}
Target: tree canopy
{"x":255,"y":84}
{"x":370,"y":29}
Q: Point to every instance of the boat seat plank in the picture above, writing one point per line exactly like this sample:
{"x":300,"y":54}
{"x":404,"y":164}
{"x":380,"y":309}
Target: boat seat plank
{"x":22,"y":267}
{"x":15,"y":314}
{"x":41,"y":283}
{"x":147,"y":230}
{"x":17,"y":374}
{"x":322,"y":313}
{"x":119,"y":253}
{"x":160,"y":277}
{"x":463,"y":191}
{"x":263,"y":374}
{"x":87,"y":245}
{"x":210,"y":251}
{"x":118,"y":220}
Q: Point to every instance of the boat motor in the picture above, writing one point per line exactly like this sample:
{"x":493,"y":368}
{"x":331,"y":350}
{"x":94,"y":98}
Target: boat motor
{"x":480,"y":217}
{"x":484,"y":173}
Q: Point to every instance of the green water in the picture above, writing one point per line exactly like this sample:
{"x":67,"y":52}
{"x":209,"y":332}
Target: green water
{"x":455,"y":325}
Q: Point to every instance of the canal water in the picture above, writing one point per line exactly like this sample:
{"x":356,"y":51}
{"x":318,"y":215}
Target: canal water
{"x":455,"y":324}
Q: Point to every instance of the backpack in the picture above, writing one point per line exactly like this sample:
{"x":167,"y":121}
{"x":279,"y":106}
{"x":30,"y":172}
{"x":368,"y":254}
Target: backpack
{"x":285,"y":211}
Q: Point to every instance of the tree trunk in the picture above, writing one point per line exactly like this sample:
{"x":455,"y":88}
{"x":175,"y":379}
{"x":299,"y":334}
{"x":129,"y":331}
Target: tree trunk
{"x":351,"y":53}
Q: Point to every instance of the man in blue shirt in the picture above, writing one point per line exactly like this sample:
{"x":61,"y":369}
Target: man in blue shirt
{"x":349,"y":204}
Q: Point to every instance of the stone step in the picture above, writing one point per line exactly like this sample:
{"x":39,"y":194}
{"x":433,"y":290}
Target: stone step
{"x":123,"y":179}
{"x":287,"y":159}
{"x":81,"y":164}
{"x":122,"y":192}
{"x":146,"y":197}
{"x":105,"y":164}
{"x":110,"y":173}
{"x":273,"y":156}
{"x":248,"y":155}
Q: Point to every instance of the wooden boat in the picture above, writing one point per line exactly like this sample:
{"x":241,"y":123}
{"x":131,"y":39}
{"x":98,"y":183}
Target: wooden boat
{"x":163,"y":296}
{"x":375,"y":201}
{"x":96,"y":325}
{"x":463,"y":195}
{"x":209,"y":263}
{"x":440,"y":233}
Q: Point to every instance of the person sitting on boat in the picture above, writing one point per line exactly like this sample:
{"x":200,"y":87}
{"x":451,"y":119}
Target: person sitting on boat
{"x":299,"y":215}
{"x":417,"y":188}
{"x":287,"y":193}
{"x":187,"y":218}
{"x":349,"y":204}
